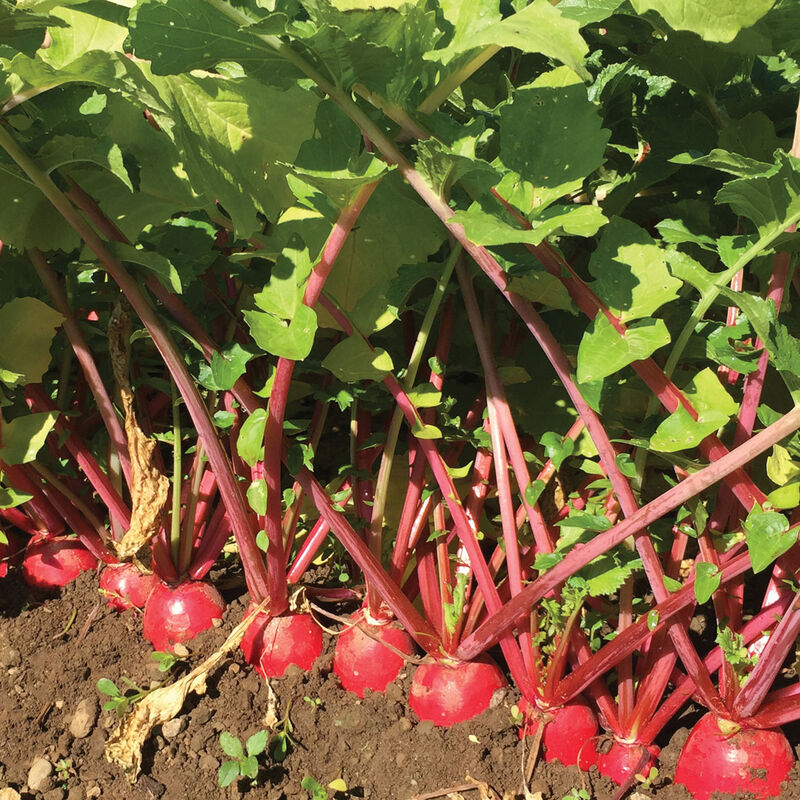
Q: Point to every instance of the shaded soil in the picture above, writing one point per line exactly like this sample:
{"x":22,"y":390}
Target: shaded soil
{"x":52,"y":654}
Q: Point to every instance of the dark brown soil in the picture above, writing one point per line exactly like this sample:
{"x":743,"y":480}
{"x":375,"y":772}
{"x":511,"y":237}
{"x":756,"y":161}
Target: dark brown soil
{"x":52,"y":654}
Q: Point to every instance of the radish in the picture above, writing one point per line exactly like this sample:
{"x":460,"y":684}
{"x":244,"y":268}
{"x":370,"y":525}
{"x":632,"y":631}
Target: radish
{"x":272,"y":643}
{"x":625,"y":759}
{"x":50,"y":564}
{"x":361,"y":662}
{"x":723,"y":756}
{"x":569,"y":734}
{"x":124,"y":586}
{"x":175,"y":614}
{"x":449,"y":693}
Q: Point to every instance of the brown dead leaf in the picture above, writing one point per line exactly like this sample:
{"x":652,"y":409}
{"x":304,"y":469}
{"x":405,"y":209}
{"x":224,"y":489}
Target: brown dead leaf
{"x":124,"y":746}
{"x":149,"y":486}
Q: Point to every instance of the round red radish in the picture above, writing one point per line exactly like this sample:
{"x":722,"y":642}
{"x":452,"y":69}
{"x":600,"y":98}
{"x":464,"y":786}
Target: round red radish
{"x":721,"y":756}
{"x":52,"y":563}
{"x":270,"y":644}
{"x":124,"y":586}
{"x":362,"y":663}
{"x":625,"y":759}
{"x":175,"y":614}
{"x":447,"y":694}
{"x":569,"y":735}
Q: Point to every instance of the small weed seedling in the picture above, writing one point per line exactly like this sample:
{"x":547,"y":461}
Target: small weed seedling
{"x":314,"y":702}
{"x":281,"y":741}
{"x":318,"y":791}
{"x":577,"y":794}
{"x":243,"y":760}
{"x":120,"y":701}
{"x":166,"y":661}
{"x":63,"y":769}
{"x":646,"y":781}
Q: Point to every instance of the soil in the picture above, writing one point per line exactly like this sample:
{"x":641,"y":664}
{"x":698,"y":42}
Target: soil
{"x":53,"y":652}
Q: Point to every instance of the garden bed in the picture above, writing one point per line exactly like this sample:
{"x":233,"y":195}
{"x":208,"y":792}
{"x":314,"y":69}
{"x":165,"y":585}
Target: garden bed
{"x":52,"y":654}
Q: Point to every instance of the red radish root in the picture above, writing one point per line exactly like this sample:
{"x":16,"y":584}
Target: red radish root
{"x":124,"y":586}
{"x":360,"y":662}
{"x":625,"y":759}
{"x":175,"y":614}
{"x":447,"y":694}
{"x":270,"y":644}
{"x":722,"y":756}
{"x":50,"y":564}
{"x":570,"y":732}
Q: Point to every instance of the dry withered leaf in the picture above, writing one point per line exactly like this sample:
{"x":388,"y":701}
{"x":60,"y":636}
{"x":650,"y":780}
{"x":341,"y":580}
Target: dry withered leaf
{"x":149,"y":487}
{"x":124,"y":745}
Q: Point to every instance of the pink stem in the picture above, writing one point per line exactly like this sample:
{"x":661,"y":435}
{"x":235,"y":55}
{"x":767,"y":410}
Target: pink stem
{"x":84,"y":356}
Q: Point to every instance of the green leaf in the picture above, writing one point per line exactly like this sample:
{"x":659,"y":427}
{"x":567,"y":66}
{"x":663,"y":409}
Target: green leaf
{"x":226,"y":367}
{"x":556,"y":448}
{"x":537,"y":28}
{"x":181,"y":35}
{"x":603,"y":351}
{"x":333,"y":162}
{"x":28,"y":327}
{"x":83,"y":32}
{"x":60,"y":151}
{"x":722,"y":160}
{"x":11,"y":498}
{"x":714,"y":408}
{"x":771,"y":201}
{"x":545,"y":561}
{"x":786,"y":497}
{"x":490,"y":230}
{"x":317,"y":790}
{"x":719,"y":347}
{"x":230,"y":745}
{"x":154,"y":262}
{"x":354,"y":360}
{"x":28,"y":219}
{"x":24,"y":436}
{"x":108,"y":687}
{"x":249,"y":767}
{"x":631,"y":272}
{"x":232,"y":134}
{"x":706,"y":580}
{"x":768,"y":536}
{"x":781,"y":468}
{"x":370,"y":260}
{"x":425,"y":395}
{"x":426,"y":431}
{"x":537,"y":284}
{"x":675,"y":231}
{"x":534,"y":491}
{"x":584,"y":12}
{"x":701,"y":66}
{"x":585,"y":521}
{"x":257,"y":743}
{"x":292,"y":339}
{"x":719,"y":21}
{"x":250,"y":444}
{"x":228,"y":773}
{"x":551,"y":133}
{"x":606,"y":574}
{"x":692,"y":272}
{"x":24,"y":29}
{"x":257,"y":496}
